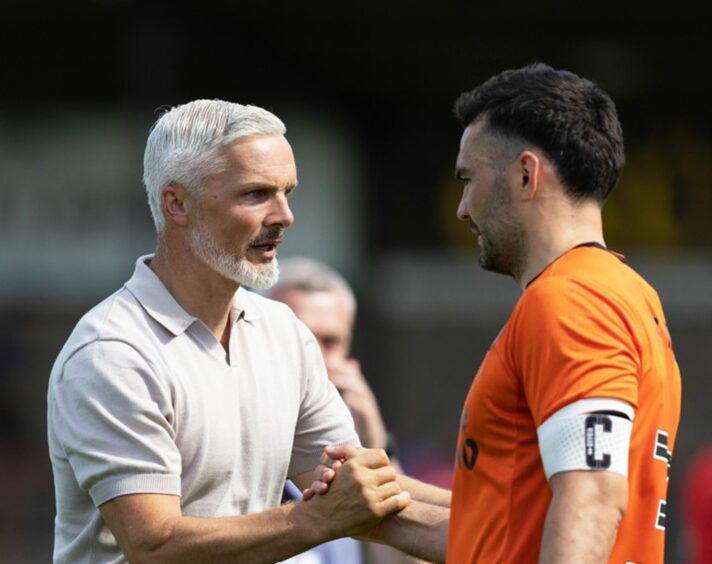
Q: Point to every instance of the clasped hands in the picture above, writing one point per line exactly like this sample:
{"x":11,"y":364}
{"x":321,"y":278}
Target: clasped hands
{"x":357,"y":488}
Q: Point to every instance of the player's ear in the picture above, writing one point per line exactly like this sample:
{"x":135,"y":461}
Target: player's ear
{"x":528,"y":168}
{"x":175,"y":204}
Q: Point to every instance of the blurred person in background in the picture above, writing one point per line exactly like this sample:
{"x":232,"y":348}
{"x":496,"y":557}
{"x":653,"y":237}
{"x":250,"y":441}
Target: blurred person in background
{"x":325,"y":302}
{"x":180,"y":405}
{"x":568,"y":429}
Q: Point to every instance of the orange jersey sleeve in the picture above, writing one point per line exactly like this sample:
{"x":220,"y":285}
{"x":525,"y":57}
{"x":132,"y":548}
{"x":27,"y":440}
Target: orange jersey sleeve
{"x":572,"y":343}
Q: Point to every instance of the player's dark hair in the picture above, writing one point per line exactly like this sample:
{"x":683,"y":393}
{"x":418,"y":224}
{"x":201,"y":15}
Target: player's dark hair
{"x":568,"y":117}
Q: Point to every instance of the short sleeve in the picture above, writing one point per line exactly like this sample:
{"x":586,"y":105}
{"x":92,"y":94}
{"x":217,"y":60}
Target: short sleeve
{"x":324,"y":418}
{"x":570,"y":343}
{"x":111,"y":418}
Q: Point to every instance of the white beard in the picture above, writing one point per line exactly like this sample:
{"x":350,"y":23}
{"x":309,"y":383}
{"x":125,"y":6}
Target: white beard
{"x":239,"y":270}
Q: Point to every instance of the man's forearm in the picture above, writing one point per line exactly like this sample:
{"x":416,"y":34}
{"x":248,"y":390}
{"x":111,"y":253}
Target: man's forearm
{"x":420,"y":530}
{"x":427,"y":493}
{"x":151,"y":527}
{"x":270,"y":536}
{"x":265,"y":537}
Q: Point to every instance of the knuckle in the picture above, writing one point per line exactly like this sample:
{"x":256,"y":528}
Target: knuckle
{"x":356,"y":472}
{"x":365,"y":492}
{"x":392,"y":490}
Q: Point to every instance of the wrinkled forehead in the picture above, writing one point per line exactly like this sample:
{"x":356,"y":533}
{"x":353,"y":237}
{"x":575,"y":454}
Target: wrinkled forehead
{"x":262,"y":158}
{"x":261,"y":145}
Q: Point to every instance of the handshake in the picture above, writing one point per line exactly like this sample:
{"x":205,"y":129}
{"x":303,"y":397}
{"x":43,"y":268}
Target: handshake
{"x":353,"y":490}
{"x":356,"y":492}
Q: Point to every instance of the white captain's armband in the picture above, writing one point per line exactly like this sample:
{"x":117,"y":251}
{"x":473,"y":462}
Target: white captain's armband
{"x":590,"y":434}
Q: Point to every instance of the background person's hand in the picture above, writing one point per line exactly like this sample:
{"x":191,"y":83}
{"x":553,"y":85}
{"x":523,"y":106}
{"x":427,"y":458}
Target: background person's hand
{"x":346,"y":375}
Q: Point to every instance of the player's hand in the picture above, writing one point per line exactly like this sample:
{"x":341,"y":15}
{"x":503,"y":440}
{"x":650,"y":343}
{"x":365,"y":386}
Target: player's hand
{"x":361,"y":491}
{"x":346,"y":375}
{"x":331,"y":460}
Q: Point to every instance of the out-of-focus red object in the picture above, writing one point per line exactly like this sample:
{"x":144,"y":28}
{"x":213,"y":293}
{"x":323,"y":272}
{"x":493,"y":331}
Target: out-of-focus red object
{"x":697,"y":505}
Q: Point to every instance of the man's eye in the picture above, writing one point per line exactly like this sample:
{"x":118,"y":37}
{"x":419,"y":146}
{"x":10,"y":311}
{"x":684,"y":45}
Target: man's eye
{"x":255,"y":195}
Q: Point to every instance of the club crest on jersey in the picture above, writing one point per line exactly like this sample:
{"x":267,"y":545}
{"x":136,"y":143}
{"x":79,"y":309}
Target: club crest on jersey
{"x":467,"y":448}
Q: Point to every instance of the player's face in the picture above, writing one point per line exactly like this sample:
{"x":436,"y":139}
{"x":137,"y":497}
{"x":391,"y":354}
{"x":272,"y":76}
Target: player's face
{"x":240,"y":216}
{"x":329,"y":315}
{"x":486,"y":202}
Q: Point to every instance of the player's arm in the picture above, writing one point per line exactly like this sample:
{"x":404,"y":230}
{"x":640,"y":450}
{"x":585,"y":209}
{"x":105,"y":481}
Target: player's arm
{"x":419,"y":530}
{"x":583,"y":516}
{"x":584,"y":449}
{"x":427,"y":493}
{"x":151,"y":527}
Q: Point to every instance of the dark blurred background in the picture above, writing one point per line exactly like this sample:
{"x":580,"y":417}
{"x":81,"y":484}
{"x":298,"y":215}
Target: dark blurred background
{"x":366,"y":92}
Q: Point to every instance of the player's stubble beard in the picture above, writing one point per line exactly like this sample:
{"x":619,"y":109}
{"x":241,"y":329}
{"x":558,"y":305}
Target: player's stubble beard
{"x":235,"y":268}
{"x":503,"y":238}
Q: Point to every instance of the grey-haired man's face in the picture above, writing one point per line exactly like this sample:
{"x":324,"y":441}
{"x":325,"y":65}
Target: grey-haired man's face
{"x":240,"y":216}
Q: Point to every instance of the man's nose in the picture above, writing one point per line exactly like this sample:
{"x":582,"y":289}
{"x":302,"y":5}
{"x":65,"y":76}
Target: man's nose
{"x":280,"y":214}
{"x":463,"y":213}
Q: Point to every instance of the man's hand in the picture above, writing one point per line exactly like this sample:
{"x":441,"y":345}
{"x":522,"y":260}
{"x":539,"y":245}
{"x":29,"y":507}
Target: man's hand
{"x":419,"y":529}
{"x":331,"y":460}
{"x":360,"y":494}
{"x":346,"y":375}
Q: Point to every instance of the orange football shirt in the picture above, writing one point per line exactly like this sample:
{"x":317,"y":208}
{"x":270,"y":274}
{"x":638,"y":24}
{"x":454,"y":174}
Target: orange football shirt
{"x":588,"y":326}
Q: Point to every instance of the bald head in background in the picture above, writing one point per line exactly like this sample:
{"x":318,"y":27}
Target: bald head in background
{"x":322,"y":299}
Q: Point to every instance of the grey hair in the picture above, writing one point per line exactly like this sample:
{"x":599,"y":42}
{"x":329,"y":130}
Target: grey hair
{"x":311,"y":275}
{"x":185,"y":145}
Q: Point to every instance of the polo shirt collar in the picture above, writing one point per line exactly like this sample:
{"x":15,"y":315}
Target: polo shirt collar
{"x":245,"y":305}
{"x":155,"y":298}
{"x":162,"y":306}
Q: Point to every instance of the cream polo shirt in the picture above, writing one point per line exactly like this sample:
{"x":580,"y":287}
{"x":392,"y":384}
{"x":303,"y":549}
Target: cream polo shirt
{"x":143,"y":399}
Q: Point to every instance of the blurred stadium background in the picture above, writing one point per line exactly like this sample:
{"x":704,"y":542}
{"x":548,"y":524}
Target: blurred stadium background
{"x":366,"y":93}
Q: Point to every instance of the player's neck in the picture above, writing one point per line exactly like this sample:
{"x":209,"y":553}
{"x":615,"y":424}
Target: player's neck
{"x":552,"y":237}
{"x":198,"y":289}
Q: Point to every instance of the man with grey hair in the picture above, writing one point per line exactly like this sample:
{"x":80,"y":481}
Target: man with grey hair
{"x":167,"y":438}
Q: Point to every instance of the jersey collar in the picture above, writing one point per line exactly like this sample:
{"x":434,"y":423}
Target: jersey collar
{"x":591,"y":244}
